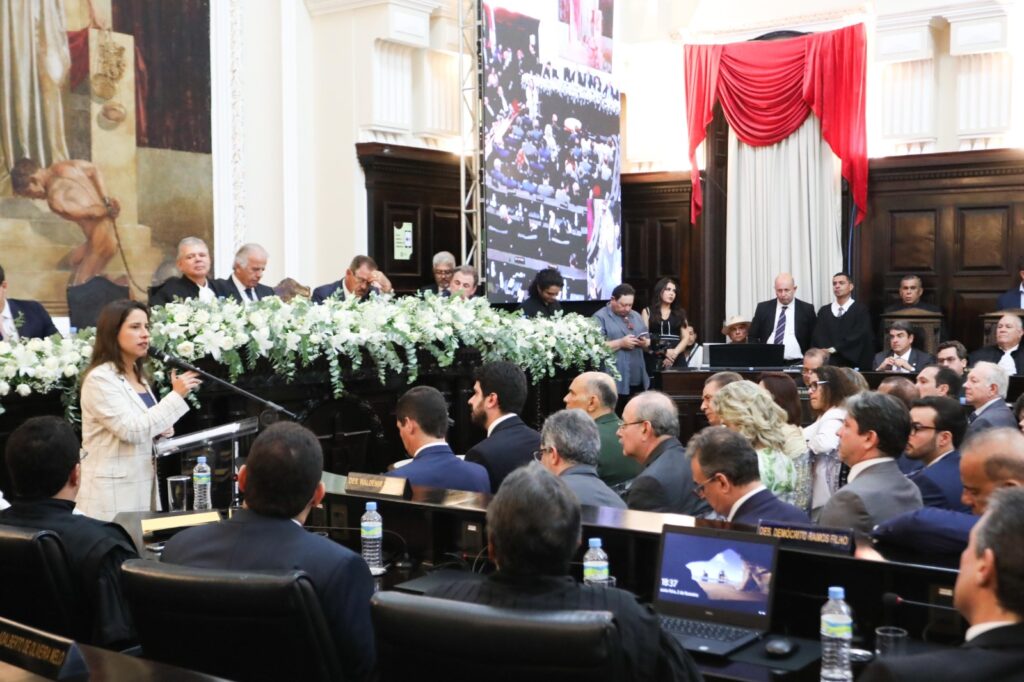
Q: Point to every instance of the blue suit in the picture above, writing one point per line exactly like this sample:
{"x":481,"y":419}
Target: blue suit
{"x":929,"y":529}
{"x":510,"y":446}
{"x":994,"y":416}
{"x":940,"y":483}
{"x":253,"y":542}
{"x":35,"y":321}
{"x":765,"y":506}
{"x":1009,"y":299}
{"x":438,"y":467}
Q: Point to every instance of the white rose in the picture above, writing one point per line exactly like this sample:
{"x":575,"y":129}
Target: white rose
{"x":5,"y":388}
{"x":185,"y":349}
{"x":24,"y":390}
{"x":201,"y":317}
{"x":315,"y":339}
{"x":70,"y":370}
{"x":35,"y":345}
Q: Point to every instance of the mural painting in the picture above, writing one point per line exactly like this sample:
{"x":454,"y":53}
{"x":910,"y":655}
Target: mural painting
{"x":104,"y":140}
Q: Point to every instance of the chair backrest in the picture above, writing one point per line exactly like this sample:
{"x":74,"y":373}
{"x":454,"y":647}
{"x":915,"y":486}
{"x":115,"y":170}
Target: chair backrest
{"x":463,"y":641}
{"x":243,"y":626}
{"x":85,"y":301}
{"x":36,"y":584}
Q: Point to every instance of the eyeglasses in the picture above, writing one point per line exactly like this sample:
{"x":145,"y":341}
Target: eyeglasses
{"x":915,"y":427}
{"x":623,"y":425}
{"x":698,"y":489}
{"x":815,"y":385}
{"x":539,"y":454}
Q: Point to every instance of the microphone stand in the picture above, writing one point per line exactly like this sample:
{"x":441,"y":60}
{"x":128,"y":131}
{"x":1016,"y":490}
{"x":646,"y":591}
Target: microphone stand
{"x":181,"y":364}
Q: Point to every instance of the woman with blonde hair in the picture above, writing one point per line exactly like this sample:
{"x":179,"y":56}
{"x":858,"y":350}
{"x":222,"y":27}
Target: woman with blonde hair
{"x":750,"y":410}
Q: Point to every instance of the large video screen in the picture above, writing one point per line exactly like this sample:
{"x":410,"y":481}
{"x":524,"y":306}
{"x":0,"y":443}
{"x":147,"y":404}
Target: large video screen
{"x":551,"y":153}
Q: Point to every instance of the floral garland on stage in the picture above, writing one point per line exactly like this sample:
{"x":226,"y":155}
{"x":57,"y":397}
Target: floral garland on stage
{"x":387,"y":331}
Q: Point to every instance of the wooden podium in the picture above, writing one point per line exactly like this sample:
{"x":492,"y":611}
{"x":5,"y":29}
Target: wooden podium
{"x":926,"y":325}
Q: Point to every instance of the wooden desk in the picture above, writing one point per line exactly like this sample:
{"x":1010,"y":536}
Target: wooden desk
{"x":110,"y":666}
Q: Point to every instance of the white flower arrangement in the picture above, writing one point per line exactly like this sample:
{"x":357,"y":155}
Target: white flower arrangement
{"x":388,"y":332}
{"x":32,"y":366}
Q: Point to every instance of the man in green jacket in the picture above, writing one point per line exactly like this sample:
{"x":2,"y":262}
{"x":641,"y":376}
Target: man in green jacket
{"x":595,"y":394}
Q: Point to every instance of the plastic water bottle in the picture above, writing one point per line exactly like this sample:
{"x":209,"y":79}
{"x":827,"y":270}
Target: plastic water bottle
{"x":372,"y":536}
{"x":201,"y":485}
{"x":595,"y":564}
{"x":836,"y":633}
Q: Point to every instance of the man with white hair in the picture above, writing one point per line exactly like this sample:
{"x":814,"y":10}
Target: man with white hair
{"x":1006,"y":352}
{"x":194,"y":264}
{"x":444,"y":268}
{"x":569,"y":443}
{"x":986,"y":392}
{"x":244,"y":283}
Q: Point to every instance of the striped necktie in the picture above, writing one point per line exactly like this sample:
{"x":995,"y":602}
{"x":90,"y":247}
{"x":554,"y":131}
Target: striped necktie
{"x":780,"y":328}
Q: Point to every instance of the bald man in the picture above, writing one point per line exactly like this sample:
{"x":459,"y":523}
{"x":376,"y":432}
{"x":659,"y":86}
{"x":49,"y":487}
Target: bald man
{"x":595,"y":394}
{"x":989,"y":460}
{"x":784,"y":320}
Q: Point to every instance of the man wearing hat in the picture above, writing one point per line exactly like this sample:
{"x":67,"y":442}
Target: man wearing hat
{"x":735,"y":329}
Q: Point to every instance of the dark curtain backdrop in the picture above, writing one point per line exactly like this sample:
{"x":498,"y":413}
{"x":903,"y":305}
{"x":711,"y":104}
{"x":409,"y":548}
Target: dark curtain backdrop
{"x":172,"y":42}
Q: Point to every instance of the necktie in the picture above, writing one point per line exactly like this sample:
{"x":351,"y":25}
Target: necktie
{"x":251,"y":294}
{"x":971,"y":417}
{"x":780,"y":328}
{"x":841,"y":311}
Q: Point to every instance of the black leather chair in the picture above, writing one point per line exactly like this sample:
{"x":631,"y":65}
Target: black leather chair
{"x":36,"y":585}
{"x":452,"y":640}
{"x":85,"y":301}
{"x":242,"y":626}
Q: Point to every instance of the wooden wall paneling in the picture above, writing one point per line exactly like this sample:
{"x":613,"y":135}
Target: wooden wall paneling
{"x":955,"y":219}
{"x":404,"y":184}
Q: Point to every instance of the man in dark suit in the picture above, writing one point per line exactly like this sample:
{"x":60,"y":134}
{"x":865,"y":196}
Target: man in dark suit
{"x":361,"y":279}
{"x":42,"y":458}
{"x":1006,"y":352}
{"x":244,"y":283}
{"x":724,"y":466}
{"x":902,"y":356}
{"x":844,"y":327}
{"x":873,"y":434}
{"x":649,"y":433}
{"x":281,"y":482}
{"x":785,"y":319}
{"x":22,"y":318}
{"x":194,"y":264}
{"x":934,"y":380}
{"x":937,"y":426}
{"x":499,"y":393}
{"x":988,"y":595}
{"x":444,"y":268}
{"x":533,"y":532}
{"x":990,"y":460}
{"x":422,"y":416}
{"x":569,"y":446}
{"x":985,"y":390}
{"x":1013,"y":298}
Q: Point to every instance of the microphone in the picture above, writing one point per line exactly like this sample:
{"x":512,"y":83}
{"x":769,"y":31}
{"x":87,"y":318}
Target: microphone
{"x":893,"y":599}
{"x":171,"y":360}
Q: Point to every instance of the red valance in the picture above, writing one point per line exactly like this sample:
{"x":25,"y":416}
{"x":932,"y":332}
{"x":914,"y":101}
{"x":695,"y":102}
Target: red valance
{"x":767,"y":89}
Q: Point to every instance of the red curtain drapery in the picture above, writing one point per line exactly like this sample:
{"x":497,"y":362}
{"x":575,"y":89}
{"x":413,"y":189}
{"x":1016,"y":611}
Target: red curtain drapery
{"x":768,"y":88}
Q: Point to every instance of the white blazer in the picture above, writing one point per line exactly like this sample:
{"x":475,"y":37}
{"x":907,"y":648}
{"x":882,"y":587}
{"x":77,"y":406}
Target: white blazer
{"x":117,"y":435}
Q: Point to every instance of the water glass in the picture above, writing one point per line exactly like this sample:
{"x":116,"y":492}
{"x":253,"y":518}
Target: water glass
{"x":178,"y":489}
{"x":890,"y":641}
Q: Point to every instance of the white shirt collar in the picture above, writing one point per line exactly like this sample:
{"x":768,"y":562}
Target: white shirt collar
{"x":428,"y":445}
{"x":939,"y":458}
{"x":7,"y":327}
{"x":241,"y":288}
{"x":348,"y":294}
{"x":986,"y":405}
{"x":846,"y":306}
{"x":1012,"y":350}
{"x":857,"y":468}
{"x":504,"y":417}
{"x":982,"y":628}
{"x":739,"y":503}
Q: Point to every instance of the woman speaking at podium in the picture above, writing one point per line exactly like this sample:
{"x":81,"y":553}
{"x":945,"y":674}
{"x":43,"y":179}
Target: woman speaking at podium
{"x":121,"y":416}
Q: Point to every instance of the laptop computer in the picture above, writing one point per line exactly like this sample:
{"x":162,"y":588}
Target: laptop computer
{"x":714,"y":588}
{"x":745,"y":355}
